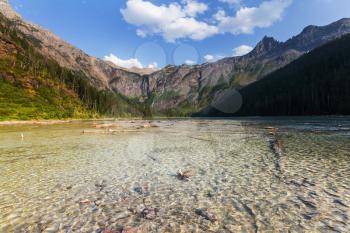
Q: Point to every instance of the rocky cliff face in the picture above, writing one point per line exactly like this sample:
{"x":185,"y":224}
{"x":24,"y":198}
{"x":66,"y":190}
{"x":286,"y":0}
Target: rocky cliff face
{"x":7,"y":10}
{"x":191,"y":84}
{"x":101,"y":73}
{"x":180,"y":88}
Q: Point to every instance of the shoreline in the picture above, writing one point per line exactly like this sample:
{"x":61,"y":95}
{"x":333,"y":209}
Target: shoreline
{"x":34,"y":122}
{"x":52,"y":122}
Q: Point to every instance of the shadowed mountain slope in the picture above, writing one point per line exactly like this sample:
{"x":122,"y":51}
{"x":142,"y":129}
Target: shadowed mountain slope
{"x":318,"y":83}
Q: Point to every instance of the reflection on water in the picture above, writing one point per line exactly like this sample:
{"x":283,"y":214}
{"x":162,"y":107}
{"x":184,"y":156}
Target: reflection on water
{"x":59,"y":180}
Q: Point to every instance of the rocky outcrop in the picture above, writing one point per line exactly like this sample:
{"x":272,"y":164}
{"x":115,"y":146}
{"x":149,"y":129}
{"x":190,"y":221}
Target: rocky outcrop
{"x":7,"y":10}
{"x":265,"y":46}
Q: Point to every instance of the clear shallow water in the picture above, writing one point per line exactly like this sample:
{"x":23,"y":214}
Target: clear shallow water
{"x":59,"y":180}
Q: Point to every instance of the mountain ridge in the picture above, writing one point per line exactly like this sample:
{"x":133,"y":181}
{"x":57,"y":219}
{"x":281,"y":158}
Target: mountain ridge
{"x":318,"y":83}
{"x":33,"y":86}
{"x":180,"y":90}
{"x":100,"y":72}
{"x":207,"y":81}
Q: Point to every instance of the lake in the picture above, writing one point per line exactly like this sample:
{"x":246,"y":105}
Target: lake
{"x":244,"y":175}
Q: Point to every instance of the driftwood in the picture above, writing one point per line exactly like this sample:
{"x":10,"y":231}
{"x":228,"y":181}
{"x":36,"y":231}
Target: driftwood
{"x":184,"y":175}
{"x":120,"y":127}
{"x":106,"y":126}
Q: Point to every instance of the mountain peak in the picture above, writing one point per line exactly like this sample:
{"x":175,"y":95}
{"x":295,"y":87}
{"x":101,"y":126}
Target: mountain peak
{"x":265,"y":45}
{"x":309,"y":29}
{"x":6,"y":9}
{"x":344,"y":21}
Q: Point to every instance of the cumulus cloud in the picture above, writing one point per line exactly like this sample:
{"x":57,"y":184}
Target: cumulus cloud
{"x":209,"y":57}
{"x":182,"y":20}
{"x":192,"y":8}
{"x":242,"y":50}
{"x":128,"y":63}
{"x":190,"y":62}
{"x":172,"y":21}
{"x":212,"y":58}
{"x":247,"y":19}
{"x":153,"y":65}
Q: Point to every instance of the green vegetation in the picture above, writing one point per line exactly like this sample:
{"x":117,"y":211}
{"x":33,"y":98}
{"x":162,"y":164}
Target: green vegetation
{"x":170,"y":95}
{"x":34,"y":87}
{"x":184,"y":109}
{"x":318,"y":83}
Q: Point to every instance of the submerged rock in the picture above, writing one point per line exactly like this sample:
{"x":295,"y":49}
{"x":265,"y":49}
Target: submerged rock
{"x":109,"y":231}
{"x":130,"y":230}
{"x":138,"y":190}
{"x":101,"y":185}
{"x":206,"y":215}
{"x":184,"y":175}
{"x":149,"y":213}
{"x":144,"y":211}
{"x":123,"y":215}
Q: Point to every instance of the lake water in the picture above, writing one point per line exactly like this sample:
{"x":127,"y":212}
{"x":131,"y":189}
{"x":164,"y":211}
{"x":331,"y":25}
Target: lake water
{"x":58,"y":179}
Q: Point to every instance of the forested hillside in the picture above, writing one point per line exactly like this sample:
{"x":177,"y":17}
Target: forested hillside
{"x":318,"y":83}
{"x":34,"y":87}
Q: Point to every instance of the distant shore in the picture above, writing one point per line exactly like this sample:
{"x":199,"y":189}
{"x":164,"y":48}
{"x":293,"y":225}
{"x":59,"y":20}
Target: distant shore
{"x":52,"y":122}
{"x":38,"y":122}
{"x":55,"y":121}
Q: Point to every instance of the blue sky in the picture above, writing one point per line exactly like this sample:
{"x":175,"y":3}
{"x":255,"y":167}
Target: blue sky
{"x":152,"y":33}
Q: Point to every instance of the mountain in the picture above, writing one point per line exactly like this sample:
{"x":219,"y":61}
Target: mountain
{"x":33,"y":86}
{"x":190,"y":88}
{"x":174,"y":90}
{"x":99,"y":72}
{"x":318,"y":83}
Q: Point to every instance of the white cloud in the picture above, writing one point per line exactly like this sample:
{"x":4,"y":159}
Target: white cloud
{"x":141,"y":33}
{"x":242,"y":50}
{"x":192,"y":8}
{"x":172,"y":21}
{"x":190,"y":62}
{"x":209,"y":57}
{"x":249,"y":18}
{"x":188,"y":28}
{"x":238,"y":51}
{"x":175,"y":21}
{"x":212,"y":58}
{"x":153,"y":65}
{"x":128,"y":63}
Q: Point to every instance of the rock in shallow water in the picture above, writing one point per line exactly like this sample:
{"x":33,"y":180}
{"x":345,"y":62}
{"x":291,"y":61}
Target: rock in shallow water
{"x":208,"y":216}
{"x":138,"y":190}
